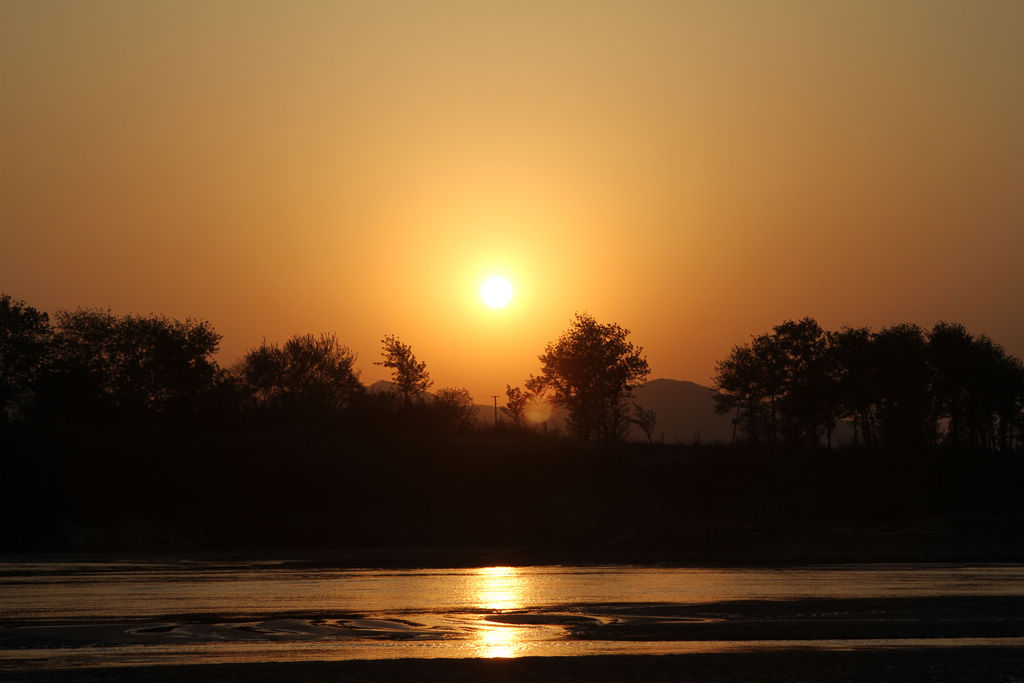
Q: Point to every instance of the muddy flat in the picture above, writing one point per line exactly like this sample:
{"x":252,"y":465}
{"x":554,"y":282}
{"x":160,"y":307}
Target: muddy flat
{"x":963,"y":665}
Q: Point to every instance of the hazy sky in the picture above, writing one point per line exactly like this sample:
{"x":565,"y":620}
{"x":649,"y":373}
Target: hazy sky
{"x":694,"y":171}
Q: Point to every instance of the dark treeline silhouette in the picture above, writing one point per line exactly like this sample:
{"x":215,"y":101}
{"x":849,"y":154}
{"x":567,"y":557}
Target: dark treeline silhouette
{"x":309,"y":378}
{"x":899,"y":387}
{"x":123,"y":432}
{"x":91,"y":366}
{"x":794,"y":386}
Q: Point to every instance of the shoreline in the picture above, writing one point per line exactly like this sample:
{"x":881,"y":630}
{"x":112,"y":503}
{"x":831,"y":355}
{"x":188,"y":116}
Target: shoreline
{"x":459,"y":557}
{"x":963,"y":665}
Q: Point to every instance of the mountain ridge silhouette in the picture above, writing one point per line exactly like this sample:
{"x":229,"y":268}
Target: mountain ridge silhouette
{"x":685,"y":412}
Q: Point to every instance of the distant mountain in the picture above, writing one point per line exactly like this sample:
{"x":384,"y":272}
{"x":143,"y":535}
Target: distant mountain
{"x":382,"y":385}
{"x":685,"y":410}
{"x":686,"y":413}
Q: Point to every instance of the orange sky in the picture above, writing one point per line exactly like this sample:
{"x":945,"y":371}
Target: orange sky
{"x":695,"y":171}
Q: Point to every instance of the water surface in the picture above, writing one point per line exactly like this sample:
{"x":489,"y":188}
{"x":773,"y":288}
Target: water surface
{"x":69,"y":614}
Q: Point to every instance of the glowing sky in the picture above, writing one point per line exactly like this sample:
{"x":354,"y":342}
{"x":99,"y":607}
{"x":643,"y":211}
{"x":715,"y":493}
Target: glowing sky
{"x":694,"y":171}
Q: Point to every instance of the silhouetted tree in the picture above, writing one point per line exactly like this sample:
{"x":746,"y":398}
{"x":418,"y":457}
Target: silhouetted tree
{"x":308,"y":377}
{"x":954,"y":361}
{"x":904,"y":410}
{"x":898,"y":387}
{"x":454,"y":408}
{"x":515,"y":404}
{"x":131,"y":365}
{"x":741,"y":389}
{"x":976,"y":387}
{"x":1009,"y":402}
{"x":781,"y":384}
{"x":853,"y":354}
{"x":590,"y":370}
{"x":988,"y":392}
{"x":409,"y":375}
{"x":24,"y":341}
{"x":645,"y":419}
{"x":807,"y":404}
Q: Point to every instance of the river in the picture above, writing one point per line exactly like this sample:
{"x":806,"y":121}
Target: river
{"x":60,"y":615}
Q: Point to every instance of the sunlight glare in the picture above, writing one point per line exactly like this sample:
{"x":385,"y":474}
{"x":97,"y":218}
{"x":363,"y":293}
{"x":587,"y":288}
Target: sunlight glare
{"x":496,"y":292}
{"x":538,"y":409}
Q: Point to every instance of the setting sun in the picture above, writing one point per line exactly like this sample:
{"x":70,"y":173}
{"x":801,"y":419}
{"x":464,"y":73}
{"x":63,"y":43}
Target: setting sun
{"x":496,"y":292}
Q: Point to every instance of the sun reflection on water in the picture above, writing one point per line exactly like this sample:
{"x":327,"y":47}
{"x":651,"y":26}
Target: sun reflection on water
{"x":499,"y":589}
{"x":499,"y":641}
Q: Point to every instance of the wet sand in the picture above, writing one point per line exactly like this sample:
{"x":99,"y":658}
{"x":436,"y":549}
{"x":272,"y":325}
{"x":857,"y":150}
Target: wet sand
{"x":817,"y":619}
{"x":963,"y":665}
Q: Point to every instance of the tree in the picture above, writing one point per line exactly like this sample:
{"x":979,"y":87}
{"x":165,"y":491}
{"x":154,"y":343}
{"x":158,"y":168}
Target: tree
{"x":516,"y":401}
{"x":740,"y":386}
{"x":809,"y":380}
{"x":976,"y":387}
{"x":780,"y":384}
{"x":24,"y":341}
{"x":590,"y":370}
{"x":904,"y":409}
{"x":454,"y":408}
{"x":310,"y":376}
{"x":410,"y":376}
{"x":853,"y":354}
{"x":1009,"y":402}
{"x":129,"y":365}
{"x":898,"y":387}
{"x":645,"y":419}
{"x":952,"y":354}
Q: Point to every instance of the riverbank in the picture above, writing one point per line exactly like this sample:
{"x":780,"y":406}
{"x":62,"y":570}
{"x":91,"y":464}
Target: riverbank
{"x":960,"y":665}
{"x":980,"y":541}
{"x":538,"y":500}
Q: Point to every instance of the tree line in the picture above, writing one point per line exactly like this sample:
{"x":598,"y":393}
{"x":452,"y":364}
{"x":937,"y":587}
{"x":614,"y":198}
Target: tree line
{"x":90,"y":365}
{"x":794,"y":386}
{"x":901,"y":386}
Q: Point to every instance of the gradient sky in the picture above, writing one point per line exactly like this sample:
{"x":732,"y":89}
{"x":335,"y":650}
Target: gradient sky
{"x":694,"y":171}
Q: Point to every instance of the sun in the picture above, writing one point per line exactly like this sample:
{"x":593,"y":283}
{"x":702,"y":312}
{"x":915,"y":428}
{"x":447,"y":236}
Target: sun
{"x":496,"y":292}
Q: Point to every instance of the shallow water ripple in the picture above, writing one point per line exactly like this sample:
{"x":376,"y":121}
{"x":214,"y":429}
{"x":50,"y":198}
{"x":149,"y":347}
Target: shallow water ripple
{"x":66,"y":615}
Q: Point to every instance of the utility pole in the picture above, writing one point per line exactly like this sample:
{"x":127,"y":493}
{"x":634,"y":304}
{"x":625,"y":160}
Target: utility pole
{"x":495,"y":397}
